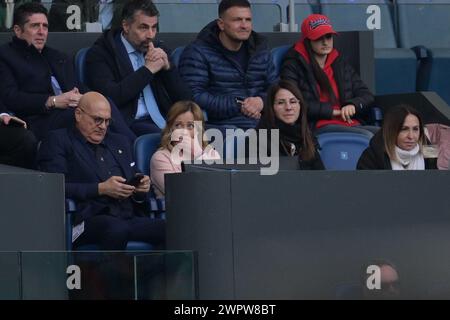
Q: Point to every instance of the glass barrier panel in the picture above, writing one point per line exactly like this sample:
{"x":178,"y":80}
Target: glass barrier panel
{"x":97,"y":275}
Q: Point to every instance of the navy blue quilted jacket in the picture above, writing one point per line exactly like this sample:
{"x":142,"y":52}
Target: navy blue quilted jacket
{"x":217,"y":80}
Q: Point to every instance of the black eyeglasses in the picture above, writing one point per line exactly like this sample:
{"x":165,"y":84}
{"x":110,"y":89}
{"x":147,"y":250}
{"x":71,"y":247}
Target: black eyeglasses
{"x":98,"y":120}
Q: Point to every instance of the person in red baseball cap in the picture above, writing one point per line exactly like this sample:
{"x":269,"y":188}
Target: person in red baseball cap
{"x":316,"y":26}
{"x":334,"y":92}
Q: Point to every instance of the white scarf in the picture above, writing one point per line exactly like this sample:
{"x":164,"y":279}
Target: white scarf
{"x":408,"y":160}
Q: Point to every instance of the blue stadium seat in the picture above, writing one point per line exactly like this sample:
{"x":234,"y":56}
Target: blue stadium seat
{"x":176,"y":55}
{"x":80,"y":69}
{"x":341,"y":150}
{"x":278,"y":54}
{"x":344,"y":129}
{"x":175,"y":58}
{"x":144,"y":147}
{"x":376,"y":116}
{"x":427,"y":24}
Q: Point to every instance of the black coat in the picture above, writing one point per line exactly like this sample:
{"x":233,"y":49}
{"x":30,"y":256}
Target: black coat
{"x":66,"y":151}
{"x":352,"y":89}
{"x":286,"y":140}
{"x":26,"y":76}
{"x":109,"y":71}
{"x":217,"y":80}
{"x":25,"y":84}
{"x":312,"y":164}
{"x":17,"y":145}
{"x":376,"y":158}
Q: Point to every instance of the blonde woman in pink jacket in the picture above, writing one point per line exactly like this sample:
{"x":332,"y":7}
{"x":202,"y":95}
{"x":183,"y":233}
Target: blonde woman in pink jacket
{"x":181,"y":140}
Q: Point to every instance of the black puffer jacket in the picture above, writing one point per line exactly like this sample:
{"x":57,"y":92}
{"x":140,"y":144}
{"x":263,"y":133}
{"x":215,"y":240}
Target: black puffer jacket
{"x":290,"y":138}
{"x":216,"y":79}
{"x":375,"y":156}
{"x":352,"y":89}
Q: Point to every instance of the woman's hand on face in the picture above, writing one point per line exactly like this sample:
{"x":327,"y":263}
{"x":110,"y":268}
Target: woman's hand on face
{"x":347,"y":112}
{"x":191,"y":147}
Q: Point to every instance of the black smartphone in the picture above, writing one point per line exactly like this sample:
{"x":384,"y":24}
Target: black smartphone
{"x":135,"y":180}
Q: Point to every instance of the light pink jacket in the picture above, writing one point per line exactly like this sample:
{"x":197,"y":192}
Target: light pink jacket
{"x":161,"y":163}
{"x":440,"y":134}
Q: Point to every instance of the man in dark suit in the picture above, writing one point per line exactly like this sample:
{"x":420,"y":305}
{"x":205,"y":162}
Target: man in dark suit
{"x":128,"y":66}
{"x":97,"y":165}
{"x":37,"y":82}
{"x":17,"y":144}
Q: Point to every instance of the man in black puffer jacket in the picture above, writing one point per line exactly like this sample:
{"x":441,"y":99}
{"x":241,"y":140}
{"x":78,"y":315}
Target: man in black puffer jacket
{"x":229,"y":68}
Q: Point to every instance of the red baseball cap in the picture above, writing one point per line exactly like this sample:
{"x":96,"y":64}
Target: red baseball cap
{"x":315,"y":26}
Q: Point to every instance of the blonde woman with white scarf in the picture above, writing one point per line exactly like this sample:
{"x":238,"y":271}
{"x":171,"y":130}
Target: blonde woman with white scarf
{"x":399,"y":145}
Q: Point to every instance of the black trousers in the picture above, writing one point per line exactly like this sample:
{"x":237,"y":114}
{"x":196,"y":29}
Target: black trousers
{"x":18,"y":147}
{"x":113,"y":233}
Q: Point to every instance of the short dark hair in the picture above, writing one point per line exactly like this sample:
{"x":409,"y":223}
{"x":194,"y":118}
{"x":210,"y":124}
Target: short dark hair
{"x":227,"y":4}
{"x":24,"y":11}
{"x":133,"y":6}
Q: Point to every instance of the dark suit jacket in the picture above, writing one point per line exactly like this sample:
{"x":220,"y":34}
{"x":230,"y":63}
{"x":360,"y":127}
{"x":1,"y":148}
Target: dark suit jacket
{"x":66,"y":151}
{"x":109,"y":71}
{"x":25,"y":76}
{"x":25,"y":84}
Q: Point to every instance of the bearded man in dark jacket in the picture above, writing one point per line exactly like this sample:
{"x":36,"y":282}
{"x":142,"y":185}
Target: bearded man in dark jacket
{"x":128,"y":66}
{"x":229,"y":68}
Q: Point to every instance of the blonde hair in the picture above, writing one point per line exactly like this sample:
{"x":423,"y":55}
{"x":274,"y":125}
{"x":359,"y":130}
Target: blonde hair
{"x":177,"y":109}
